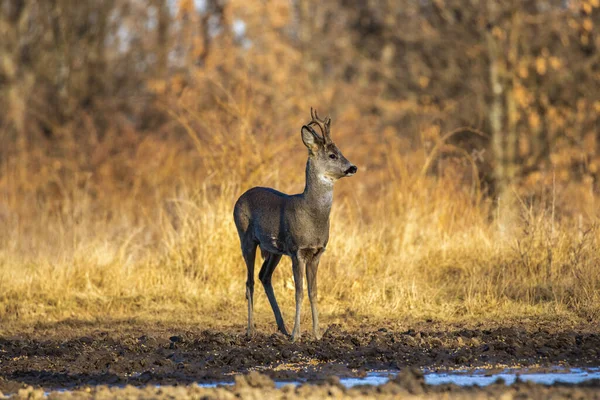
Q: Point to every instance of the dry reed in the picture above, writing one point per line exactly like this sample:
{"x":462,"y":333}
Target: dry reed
{"x":148,"y":233}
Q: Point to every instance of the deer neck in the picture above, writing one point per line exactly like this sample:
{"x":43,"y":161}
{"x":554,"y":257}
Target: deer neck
{"x":318,"y":192}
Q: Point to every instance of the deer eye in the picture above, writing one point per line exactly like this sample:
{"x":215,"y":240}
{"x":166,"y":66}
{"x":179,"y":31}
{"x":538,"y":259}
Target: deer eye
{"x":333,"y":156}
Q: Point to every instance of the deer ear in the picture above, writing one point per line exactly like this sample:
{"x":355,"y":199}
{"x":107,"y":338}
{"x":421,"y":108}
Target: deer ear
{"x":310,"y":138}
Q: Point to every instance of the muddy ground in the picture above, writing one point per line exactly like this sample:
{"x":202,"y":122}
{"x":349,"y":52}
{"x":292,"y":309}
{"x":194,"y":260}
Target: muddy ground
{"x":408,"y":384}
{"x":74,"y":355}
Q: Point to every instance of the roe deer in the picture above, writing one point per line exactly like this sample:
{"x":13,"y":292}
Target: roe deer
{"x":292,"y":225}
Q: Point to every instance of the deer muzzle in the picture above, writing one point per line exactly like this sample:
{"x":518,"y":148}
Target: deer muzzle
{"x":351,"y":171}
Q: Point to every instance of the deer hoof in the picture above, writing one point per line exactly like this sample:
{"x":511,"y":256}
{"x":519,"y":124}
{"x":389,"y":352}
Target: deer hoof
{"x":317,"y":335}
{"x":284,"y":331}
{"x":295,"y":337}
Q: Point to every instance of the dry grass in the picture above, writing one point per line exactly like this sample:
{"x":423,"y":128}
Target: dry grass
{"x":149,"y":234}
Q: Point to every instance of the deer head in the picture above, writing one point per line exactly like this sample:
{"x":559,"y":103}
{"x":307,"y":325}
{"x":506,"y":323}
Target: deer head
{"x":322,"y":152}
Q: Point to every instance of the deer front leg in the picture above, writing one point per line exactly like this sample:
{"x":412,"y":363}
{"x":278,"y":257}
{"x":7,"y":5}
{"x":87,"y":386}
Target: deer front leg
{"x":298,"y":267}
{"x":311,"y":279}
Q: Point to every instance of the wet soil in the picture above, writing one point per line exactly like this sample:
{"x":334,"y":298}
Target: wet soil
{"x":409,"y":383}
{"x":72,"y":354}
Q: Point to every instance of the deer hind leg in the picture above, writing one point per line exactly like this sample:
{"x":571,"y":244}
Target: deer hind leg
{"x":312,"y":266}
{"x":265,"y":274}
{"x":249,"y":253}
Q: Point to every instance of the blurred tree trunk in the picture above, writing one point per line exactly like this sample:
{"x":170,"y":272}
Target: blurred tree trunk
{"x":15,"y":74}
{"x":303,"y":10}
{"x":164,"y":22}
{"x":13,"y":70}
{"x":497,"y":110}
{"x":97,"y":71}
{"x":502,"y":39}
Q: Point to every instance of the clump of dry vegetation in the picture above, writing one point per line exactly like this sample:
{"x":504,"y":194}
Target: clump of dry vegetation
{"x":126,"y":142}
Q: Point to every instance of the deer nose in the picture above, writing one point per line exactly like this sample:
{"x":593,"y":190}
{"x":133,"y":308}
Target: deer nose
{"x":352,"y":170}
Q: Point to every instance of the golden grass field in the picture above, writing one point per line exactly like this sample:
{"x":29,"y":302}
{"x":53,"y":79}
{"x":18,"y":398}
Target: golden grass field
{"x":148,"y":234}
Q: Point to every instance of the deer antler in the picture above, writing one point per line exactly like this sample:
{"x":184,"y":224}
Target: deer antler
{"x":323,"y":124}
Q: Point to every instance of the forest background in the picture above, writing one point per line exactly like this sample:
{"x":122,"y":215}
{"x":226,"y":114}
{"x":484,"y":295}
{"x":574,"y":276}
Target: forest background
{"x":129,"y":128}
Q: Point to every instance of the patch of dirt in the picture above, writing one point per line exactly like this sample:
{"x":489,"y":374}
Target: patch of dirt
{"x":408,"y":384}
{"x":67,"y":356}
